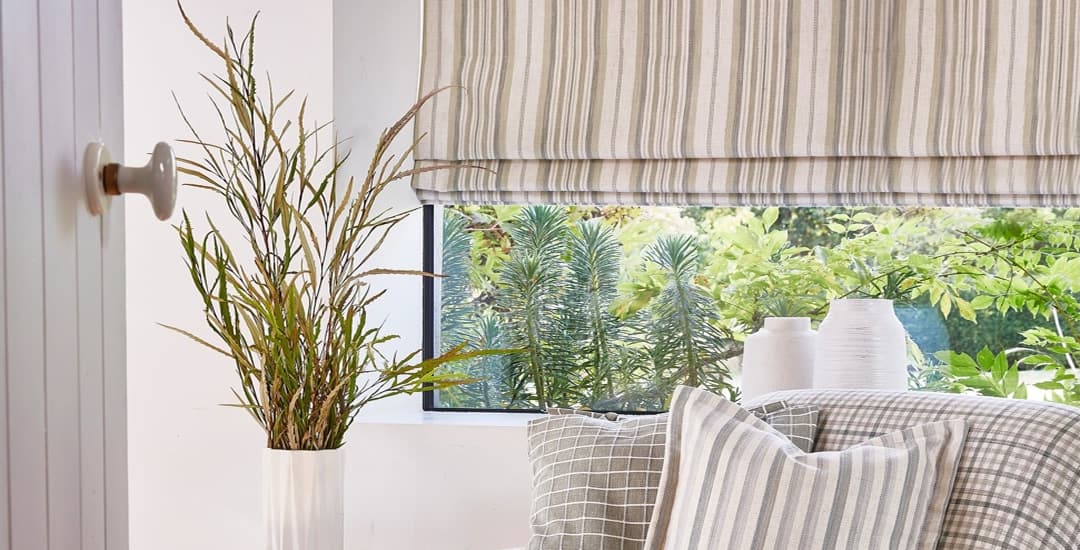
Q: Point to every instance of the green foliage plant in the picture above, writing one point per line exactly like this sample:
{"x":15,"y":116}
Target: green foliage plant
{"x":986,"y":374}
{"x":532,"y":279}
{"x":1007,"y":280}
{"x":591,"y":289}
{"x":287,"y":296}
{"x":461,"y":322}
{"x":455,"y":289}
{"x":687,"y":346}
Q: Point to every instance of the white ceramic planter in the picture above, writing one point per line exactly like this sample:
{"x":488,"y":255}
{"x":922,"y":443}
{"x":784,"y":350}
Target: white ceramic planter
{"x":861,"y":345}
{"x":304,"y":499}
{"x":780,"y":356}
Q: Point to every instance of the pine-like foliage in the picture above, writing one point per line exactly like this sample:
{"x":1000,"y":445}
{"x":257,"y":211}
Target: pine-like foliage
{"x":592,"y":279}
{"x":531,"y":282}
{"x":687,"y":348}
{"x":493,"y":375}
{"x":457,"y":317}
{"x":494,"y":372}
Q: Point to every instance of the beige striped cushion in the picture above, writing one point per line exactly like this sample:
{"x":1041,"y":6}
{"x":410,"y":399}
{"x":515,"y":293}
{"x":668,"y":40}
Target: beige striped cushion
{"x":731,"y":482}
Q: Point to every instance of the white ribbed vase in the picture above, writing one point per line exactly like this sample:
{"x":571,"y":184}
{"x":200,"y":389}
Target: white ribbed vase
{"x":304,"y":499}
{"x":861,"y":345}
{"x":780,"y":356}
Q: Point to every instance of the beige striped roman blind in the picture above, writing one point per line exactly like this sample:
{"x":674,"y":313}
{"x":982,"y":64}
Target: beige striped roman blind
{"x":752,"y":102}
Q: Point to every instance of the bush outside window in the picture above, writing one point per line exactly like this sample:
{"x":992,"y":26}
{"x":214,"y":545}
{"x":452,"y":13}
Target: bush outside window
{"x":614,"y":306}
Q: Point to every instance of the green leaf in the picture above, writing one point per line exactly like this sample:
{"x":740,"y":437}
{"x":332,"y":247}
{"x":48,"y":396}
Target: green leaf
{"x":1020,"y":392}
{"x":965,"y":309}
{"x":982,"y":301}
{"x":946,"y":305}
{"x":769,"y":216}
{"x":1040,"y":360}
{"x":982,"y":386}
{"x":836,"y":228}
{"x":958,"y":364}
{"x":1049,"y":385}
{"x":986,"y":360}
{"x":1001,"y":362}
{"x":1011,"y":380}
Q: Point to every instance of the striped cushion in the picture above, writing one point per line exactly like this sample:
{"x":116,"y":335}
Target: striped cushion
{"x":1018,"y":483}
{"x":729,"y":482}
{"x":595,"y":476}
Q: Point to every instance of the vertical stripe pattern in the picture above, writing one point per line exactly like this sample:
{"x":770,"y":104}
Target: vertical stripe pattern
{"x":703,"y":102}
{"x":730,"y":482}
{"x":63,"y":416}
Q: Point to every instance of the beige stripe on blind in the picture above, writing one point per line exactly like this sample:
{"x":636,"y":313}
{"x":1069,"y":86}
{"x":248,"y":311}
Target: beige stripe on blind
{"x":857,"y":100}
{"x":958,"y":181}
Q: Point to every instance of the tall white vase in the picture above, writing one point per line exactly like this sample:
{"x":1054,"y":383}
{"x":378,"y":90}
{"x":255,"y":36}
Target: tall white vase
{"x":861,"y":345}
{"x":304,"y":499}
{"x":780,"y":356}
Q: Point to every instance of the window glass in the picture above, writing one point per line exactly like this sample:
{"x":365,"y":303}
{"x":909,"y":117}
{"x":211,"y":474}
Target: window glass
{"x":614,"y":306}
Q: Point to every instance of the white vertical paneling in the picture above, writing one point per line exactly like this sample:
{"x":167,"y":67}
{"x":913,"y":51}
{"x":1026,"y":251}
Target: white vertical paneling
{"x":25,"y":311}
{"x":87,"y":97}
{"x":61,"y":200}
{"x":5,"y":524}
{"x":113,"y":284}
{"x":63,"y":465}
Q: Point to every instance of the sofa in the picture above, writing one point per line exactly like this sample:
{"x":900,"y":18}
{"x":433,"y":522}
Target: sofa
{"x":1017,"y":484}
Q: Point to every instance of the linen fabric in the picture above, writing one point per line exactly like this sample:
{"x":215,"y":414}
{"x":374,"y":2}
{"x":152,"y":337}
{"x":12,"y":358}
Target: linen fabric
{"x":596,"y":475}
{"x":730,"y":482}
{"x":751,"y":102}
{"x":796,"y":422}
{"x":1018,"y":482}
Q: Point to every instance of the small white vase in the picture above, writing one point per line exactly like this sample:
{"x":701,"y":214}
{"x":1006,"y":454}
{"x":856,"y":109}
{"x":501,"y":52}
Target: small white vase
{"x":304,"y":499}
{"x":861,"y":345}
{"x":780,"y":356}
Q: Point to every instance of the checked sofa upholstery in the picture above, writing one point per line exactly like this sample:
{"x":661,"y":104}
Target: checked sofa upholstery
{"x":1018,"y":483}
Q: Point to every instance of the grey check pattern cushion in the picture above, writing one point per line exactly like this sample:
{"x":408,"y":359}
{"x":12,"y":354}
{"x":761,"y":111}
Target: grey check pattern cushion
{"x":596,"y":475}
{"x":797,"y":422}
{"x":1018,"y":481}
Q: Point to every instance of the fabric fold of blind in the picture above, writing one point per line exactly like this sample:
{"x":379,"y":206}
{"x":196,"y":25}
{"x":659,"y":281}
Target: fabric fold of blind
{"x":752,"y":102}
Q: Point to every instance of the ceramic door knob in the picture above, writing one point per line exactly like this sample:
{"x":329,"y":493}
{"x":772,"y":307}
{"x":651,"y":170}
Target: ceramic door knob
{"x":156,"y":180}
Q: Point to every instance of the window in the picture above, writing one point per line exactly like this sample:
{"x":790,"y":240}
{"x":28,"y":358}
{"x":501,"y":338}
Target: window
{"x":613,"y":306}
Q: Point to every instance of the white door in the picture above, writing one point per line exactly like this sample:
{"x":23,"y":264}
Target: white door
{"x":63,"y":469}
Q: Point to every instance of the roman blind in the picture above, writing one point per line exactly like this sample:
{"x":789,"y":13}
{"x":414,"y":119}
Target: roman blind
{"x":745,"y":102}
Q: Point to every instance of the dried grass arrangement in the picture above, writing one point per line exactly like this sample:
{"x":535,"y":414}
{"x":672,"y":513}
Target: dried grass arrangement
{"x":287,"y":298}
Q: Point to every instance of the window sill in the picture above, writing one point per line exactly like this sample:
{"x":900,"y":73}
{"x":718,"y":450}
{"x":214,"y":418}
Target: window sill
{"x":432,"y":418}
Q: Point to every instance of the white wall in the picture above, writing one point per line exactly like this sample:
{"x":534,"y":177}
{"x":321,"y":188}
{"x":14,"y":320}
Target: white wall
{"x":411,"y":483}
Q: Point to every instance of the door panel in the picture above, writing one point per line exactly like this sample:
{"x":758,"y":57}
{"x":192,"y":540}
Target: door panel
{"x":25,"y":292}
{"x":63,"y":449}
{"x":113,"y":288}
{"x":60,"y":197}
